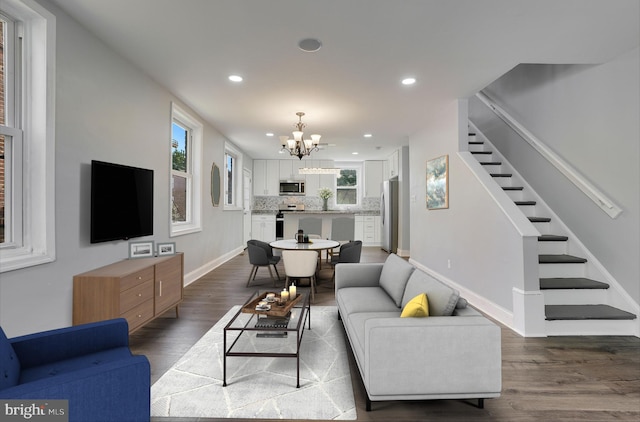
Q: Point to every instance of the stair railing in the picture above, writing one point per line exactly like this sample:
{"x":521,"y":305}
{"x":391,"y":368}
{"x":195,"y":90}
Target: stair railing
{"x":600,"y":199}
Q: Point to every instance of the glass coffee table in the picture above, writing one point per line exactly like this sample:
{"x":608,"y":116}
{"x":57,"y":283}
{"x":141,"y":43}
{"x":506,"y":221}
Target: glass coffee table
{"x":275,"y":332}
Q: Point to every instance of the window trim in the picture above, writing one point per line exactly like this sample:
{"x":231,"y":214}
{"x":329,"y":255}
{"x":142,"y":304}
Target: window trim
{"x":349,"y":165}
{"x":194,"y":188}
{"x":38,"y":32}
{"x":237,"y":178}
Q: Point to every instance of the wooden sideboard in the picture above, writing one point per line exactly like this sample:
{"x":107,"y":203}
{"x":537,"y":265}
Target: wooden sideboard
{"x":136,"y":289}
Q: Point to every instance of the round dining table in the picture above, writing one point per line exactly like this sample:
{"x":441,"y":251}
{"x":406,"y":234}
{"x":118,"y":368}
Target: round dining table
{"x":313,"y":245}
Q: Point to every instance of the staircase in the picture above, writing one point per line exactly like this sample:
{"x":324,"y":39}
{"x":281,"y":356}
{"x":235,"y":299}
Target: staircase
{"x":577,"y":301}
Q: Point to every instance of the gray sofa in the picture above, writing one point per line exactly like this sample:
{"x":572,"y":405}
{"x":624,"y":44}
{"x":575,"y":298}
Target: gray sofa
{"x":454,"y":353}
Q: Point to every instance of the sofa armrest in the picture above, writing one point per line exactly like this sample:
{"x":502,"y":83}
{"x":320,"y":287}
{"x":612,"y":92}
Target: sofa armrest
{"x":434,"y":355}
{"x":65,"y":343}
{"x":115,"y":391}
{"x":357,"y":275}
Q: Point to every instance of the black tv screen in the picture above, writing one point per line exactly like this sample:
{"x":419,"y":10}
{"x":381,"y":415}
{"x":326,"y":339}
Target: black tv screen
{"x":121,"y":202}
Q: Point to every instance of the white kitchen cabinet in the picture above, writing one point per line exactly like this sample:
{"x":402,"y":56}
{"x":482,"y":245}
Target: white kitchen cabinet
{"x":289,"y":169}
{"x":367,"y":229}
{"x":394,"y":164}
{"x":373,"y":177}
{"x":266,"y":177}
{"x":263,"y":227}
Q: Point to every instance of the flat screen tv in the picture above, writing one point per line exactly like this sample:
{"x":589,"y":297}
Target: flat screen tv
{"x":121,"y":202}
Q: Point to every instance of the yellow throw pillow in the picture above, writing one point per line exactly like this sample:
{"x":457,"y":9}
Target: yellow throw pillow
{"x":416,"y":307}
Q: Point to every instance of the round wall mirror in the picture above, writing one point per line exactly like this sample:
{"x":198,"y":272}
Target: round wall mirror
{"x":215,"y":185}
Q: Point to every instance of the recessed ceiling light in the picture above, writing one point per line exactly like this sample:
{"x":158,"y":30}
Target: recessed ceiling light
{"x":235,"y":78}
{"x":310,"y":45}
{"x":354,"y":153}
{"x":408,"y":81}
{"x":368,"y":135}
{"x":269,"y":134}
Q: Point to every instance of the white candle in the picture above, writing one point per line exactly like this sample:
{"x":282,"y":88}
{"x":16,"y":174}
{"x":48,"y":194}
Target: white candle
{"x":292,"y":291}
{"x":284,"y":296}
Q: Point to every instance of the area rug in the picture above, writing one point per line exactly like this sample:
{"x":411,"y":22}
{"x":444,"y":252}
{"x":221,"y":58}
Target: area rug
{"x":261,"y":387}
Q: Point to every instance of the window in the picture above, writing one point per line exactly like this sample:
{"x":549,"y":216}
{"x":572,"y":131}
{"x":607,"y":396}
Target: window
{"x":27,"y":117}
{"x":186,"y":172}
{"x":348,"y":185}
{"x":232,"y":178}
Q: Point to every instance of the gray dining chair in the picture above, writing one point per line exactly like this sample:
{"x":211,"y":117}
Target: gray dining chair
{"x":350,"y":252}
{"x":261,"y":255}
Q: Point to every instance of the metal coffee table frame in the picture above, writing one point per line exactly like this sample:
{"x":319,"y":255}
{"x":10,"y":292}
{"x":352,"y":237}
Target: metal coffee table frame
{"x":296,"y":325}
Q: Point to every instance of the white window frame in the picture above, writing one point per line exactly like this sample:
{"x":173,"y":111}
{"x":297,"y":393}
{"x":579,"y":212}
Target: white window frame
{"x":350,"y":165}
{"x":237,"y":176}
{"x":32,"y":160}
{"x":193,"y":222}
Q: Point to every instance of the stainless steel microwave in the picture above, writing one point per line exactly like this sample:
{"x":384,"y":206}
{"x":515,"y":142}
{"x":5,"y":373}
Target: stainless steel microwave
{"x":291,"y":187}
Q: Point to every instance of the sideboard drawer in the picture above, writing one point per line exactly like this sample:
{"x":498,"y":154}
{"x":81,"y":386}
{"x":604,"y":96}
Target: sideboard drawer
{"x":133,"y":297}
{"x":139,"y":315}
{"x":136,"y":278}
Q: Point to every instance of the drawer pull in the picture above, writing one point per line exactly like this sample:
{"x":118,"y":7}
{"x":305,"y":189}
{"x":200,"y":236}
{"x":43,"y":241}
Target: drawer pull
{"x":139,"y":294}
{"x":139,"y":277}
{"x":139,"y":315}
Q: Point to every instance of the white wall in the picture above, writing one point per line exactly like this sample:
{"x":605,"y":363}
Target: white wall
{"x":108,"y":110}
{"x":482,"y":246}
{"x":589,"y":115}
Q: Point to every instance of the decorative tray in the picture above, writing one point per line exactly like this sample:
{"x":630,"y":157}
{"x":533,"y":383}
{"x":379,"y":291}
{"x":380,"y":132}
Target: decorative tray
{"x":276,"y":308}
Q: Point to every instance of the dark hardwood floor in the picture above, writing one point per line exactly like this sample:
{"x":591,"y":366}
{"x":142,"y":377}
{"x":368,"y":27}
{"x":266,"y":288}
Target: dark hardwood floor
{"x":544,"y":379}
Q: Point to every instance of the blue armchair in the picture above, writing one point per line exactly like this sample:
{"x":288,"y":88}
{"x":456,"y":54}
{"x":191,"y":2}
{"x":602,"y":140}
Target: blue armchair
{"x":89,"y":365}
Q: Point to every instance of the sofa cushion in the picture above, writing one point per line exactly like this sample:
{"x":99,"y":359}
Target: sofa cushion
{"x":364,"y":299}
{"x":9,"y":363}
{"x":69,"y":365}
{"x":393,"y":279}
{"x":416,"y":308}
{"x":442,"y":298}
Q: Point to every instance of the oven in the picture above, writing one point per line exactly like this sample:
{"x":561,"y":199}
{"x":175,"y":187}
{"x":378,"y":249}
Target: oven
{"x":279,"y":226}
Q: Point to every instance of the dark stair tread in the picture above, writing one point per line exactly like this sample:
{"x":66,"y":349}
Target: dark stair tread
{"x":560,"y":259}
{"x":482,"y":152}
{"x":472,"y":134}
{"x":501,"y":174}
{"x":525,"y":202}
{"x":571,"y":283}
{"x":512,"y":188}
{"x":584,"y":312}
{"x":476,"y":143}
{"x":552,"y":238}
{"x":491,"y":163}
{"x":539,"y":219}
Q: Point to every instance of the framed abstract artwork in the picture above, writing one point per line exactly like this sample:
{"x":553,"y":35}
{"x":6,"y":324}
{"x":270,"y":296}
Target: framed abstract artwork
{"x":438,"y":183}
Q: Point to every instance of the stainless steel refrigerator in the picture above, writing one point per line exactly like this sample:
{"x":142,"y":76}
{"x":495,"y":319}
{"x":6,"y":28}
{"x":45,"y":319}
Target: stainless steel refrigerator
{"x":389,"y":215}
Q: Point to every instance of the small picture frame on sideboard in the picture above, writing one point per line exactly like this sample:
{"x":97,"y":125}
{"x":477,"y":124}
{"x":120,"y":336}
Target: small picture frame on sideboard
{"x":167,"y":248}
{"x":142,"y":249}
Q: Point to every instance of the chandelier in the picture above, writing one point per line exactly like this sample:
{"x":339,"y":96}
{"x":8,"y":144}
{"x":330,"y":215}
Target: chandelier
{"x":299,"y":146}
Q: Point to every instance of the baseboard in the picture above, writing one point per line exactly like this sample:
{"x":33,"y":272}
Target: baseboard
{"x":405,"y":253}
{"x":481,"y":303}
{"x":210,"y":266}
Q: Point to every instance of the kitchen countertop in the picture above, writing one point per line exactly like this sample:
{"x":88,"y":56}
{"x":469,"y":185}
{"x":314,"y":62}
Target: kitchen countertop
{"x":329,"y":212}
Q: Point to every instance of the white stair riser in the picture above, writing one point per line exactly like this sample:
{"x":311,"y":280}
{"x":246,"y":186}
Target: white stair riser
{"x":591,"y":327}
{"x":515,"y":195}
{"x":474,"y":148}
{"x":561,"y":270}
{"x":544,"y":228}
{"x":528,"y":209}
{"x":552,"y":248}
{"x":504,"y":181}
{"x":575,"y":296}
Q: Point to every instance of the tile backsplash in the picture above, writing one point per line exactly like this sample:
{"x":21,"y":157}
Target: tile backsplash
{"x":272,"y":203}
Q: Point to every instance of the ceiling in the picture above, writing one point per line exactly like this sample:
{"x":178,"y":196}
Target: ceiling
{"x":351,"y":86}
